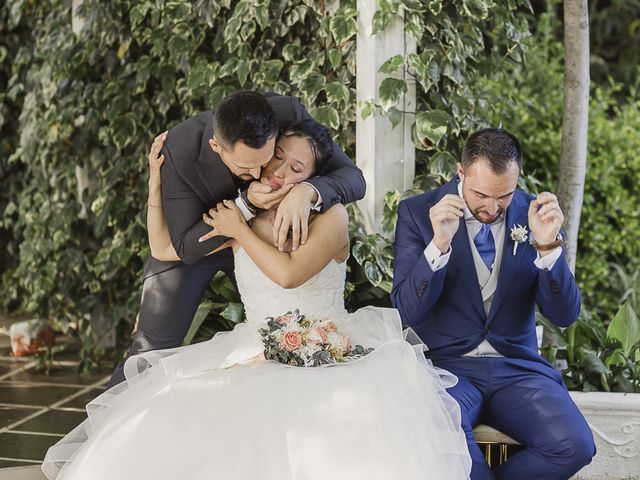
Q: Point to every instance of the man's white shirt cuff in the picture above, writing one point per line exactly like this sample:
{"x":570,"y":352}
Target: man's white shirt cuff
{"x":548,"y":261}
{"x":318,"y":204}
{"x":243,"y":208}
{"x":435,"y":258}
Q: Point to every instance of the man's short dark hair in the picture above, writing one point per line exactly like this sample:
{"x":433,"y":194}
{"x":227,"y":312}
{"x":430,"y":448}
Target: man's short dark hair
{"x":319,"y":140}
{"x":496,"y":146}
{"x":244,"y":116}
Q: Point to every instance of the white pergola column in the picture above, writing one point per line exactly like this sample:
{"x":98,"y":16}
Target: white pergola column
{"x":386,"y":156}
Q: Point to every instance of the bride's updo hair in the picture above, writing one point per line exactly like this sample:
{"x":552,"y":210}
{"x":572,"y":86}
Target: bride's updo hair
{"x":318,"y":137}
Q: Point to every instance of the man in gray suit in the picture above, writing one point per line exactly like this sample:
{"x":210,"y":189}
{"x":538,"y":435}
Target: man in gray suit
{"x":208,"y":158}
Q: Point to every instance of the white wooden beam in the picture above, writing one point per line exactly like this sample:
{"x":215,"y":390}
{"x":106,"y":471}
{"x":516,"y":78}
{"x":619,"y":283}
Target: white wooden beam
{"x":385,"y":155}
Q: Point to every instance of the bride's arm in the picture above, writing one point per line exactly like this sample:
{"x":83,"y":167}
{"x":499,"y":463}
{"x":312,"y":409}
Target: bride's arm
{"x":157,"y":230}
{"x":328,"y":237}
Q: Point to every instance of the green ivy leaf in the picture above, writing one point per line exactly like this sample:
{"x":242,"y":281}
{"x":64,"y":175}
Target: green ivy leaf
{"x":383,"y":17}
{"x":262,"y":15}
{"x":196,"y":77}
{"x":435,"y":6}
{"x":177,"y":9}
{"x":327,"y":116}
{"x":137,"y":13}
{"x":271,"y":70}
{"x":390,"y":91}
{"x":367,"y":108}
{"x":477,"y":9}
{"x":372,"y":273}
{"x":343,"y":25}
{"x":335,"y":57}
{"x":392,"y":65}
{"x":395,"y":116}
{"x":336,"y":92}
{"x":242,"y":69}
{"x":178,"y":46}
{"x":443,"y":163}
{"x":432,"y":125}
{"x":291,"y":52}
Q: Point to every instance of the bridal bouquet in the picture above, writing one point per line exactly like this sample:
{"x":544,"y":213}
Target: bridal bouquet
{"x":295,"y":340}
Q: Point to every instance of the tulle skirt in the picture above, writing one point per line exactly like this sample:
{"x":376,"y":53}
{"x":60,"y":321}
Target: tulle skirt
{"x":211,"y":410}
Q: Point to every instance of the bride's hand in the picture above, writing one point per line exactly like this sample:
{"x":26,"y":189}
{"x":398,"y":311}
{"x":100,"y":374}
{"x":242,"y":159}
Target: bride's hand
{"x":226,"y":219}
{"x":155,"y":159}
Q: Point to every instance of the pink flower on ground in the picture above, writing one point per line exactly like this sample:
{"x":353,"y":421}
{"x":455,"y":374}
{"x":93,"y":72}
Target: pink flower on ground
{"x":346,"y":344}
{"x":292,"y":340}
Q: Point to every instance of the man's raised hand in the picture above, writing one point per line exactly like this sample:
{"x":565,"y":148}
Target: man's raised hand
{"x":545,"y":218}
{"x":265,"y":197}
{"x":445,"y":220}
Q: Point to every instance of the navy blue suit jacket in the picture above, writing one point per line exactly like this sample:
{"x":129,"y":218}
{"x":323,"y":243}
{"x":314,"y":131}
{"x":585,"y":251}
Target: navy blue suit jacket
{"x":445,"y":307}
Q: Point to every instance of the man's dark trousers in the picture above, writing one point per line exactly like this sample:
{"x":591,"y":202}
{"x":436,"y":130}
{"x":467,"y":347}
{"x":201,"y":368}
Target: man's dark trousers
{"x":170,"y":299}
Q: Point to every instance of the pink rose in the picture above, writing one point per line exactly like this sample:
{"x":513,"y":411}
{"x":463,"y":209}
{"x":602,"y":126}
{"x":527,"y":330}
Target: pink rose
{"x":346,"y":344}
{"x":329,"y":327}
{"x":318,"y":334}
{"x":292,"y":340}
{"x":284,"y":319}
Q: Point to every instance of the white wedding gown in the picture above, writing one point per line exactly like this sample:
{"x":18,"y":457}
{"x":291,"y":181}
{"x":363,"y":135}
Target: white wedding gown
{"x":206,"y":411}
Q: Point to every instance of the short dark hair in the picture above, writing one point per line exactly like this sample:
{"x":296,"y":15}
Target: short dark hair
{"x":244,"y":116}
{"x":496,"y":146}
{"x":317,"y":136}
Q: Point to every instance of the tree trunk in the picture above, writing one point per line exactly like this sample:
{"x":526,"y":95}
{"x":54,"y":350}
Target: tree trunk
{"x":575,"y":124}
{"x":573,"y":157}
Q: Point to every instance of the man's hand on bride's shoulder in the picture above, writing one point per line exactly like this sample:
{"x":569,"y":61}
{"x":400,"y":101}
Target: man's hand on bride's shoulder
{"x":226,"y":219}
{"x":155,"y":158}
{"x":265,"y":197}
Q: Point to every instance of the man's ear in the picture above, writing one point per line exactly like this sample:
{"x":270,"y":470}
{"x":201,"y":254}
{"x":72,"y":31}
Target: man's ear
{"x":460,"y":171}
{"x":215,"y":146}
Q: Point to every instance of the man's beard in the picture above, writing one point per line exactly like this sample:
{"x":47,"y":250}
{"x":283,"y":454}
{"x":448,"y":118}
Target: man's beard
{"x":476,"y":213}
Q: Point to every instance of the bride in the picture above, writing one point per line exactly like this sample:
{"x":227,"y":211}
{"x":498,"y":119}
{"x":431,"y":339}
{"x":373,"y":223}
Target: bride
{"x":219,"y":409}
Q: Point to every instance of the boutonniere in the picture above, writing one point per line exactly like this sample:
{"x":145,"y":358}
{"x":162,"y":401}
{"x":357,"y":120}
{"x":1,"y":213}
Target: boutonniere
{"x":518,"y":235}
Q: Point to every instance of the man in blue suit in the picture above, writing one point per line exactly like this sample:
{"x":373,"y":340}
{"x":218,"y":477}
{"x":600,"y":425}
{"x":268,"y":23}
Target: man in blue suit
{"x":472,"y":259}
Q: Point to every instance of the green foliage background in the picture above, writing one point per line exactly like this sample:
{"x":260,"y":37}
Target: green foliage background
{"x":88,"y":105}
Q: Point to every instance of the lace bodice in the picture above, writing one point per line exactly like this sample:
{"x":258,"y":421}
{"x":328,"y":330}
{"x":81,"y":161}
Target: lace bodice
{"x":319,"y":297}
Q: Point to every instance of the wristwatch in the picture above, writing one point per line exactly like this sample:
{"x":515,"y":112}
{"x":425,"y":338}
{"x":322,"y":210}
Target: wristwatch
{"x":243,"y":194}
{"x":545,"y":247}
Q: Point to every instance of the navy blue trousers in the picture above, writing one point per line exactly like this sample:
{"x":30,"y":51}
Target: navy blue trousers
{"x":528,"y":401}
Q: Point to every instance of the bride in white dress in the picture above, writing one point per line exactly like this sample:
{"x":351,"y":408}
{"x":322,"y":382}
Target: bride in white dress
{"x":219,"y":410}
